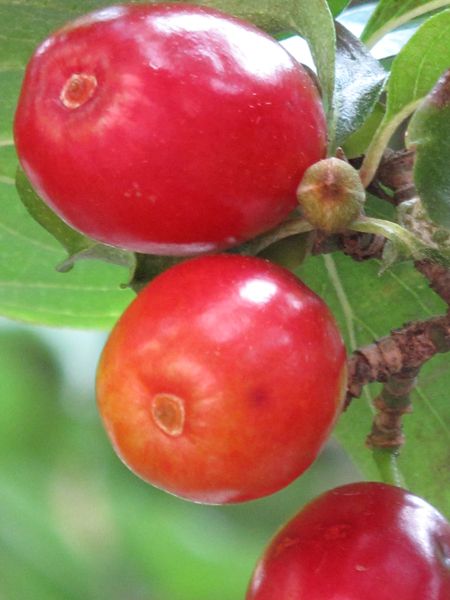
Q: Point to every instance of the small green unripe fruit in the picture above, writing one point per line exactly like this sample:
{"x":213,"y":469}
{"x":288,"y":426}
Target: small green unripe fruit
{"x":331,"y":195}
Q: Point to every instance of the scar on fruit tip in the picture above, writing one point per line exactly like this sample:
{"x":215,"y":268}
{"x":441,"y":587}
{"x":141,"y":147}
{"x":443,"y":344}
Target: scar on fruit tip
{"x":168,"y":413}
{"x":78,"y":89}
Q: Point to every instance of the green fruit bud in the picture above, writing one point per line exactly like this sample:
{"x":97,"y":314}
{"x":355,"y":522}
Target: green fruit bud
{"x":331,"y":195}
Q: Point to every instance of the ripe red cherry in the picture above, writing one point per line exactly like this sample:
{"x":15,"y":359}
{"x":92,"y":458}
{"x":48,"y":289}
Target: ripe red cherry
{"x":222,"y":380}
{"x":364,"y":541}
{"x":167,"y":128}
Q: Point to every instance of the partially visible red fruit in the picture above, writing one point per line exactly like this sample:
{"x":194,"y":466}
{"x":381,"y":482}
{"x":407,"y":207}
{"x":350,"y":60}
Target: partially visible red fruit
{"x":364,"y":541}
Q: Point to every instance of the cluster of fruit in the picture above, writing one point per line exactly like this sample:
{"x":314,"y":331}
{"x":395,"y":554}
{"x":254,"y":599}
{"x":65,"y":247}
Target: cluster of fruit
{"x":174,"y":129}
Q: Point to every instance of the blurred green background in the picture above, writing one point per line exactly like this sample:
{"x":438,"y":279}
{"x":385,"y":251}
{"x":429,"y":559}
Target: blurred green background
{"x":75,"y":523}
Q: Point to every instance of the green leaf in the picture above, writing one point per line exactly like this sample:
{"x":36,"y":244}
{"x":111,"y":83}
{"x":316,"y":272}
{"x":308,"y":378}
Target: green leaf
{"x":391,"y":14}
{"x":358,"y":298}
{"x":427,"y":431}
{"x":30,"y":288}
{"x":429,"y":135}
{"x":418,"y":65}
{"x":24,"y":24}
{"x":290,"y":252}
{"x":337,"y":6}
{"x":414,"y":72}
{"x":77,"y":245}
{"x":359,"y":141}
{"x":70,"y":239}
{"x":142,"y":267}
{"x":359,"y":82}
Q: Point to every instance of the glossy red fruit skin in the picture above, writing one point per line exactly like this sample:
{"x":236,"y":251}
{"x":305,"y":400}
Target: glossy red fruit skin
{"x":193,"y":133}
{"x":254,"y":357}
{"x":363,"y":541}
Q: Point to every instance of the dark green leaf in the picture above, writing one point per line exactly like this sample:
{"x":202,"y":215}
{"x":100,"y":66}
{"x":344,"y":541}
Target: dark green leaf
{"x":290,"y":252}
{"x":429,"y":135}
{"x":359,"y":82}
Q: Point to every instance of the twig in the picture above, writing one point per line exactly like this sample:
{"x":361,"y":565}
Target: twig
{"x":406,"y":348}
{"x":359,"y":246}
{"x":392,"y":403}
{"x":396,"y":173}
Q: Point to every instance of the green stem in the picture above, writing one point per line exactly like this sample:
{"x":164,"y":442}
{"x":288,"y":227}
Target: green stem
{"x":387,"y":229}
{"x":386,"y":460}
{"x":286,"y":229}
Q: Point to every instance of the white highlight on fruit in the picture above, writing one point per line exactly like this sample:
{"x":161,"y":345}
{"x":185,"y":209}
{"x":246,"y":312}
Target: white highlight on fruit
{"x":258,"y":291}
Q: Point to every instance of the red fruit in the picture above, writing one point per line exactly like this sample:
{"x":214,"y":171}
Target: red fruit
{"x":364,"y":541}
{"x":222,"y":380}
{"x":167,"y":128}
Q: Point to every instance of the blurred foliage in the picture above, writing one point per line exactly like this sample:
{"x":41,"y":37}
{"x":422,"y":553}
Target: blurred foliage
{"x":76,"y":524}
